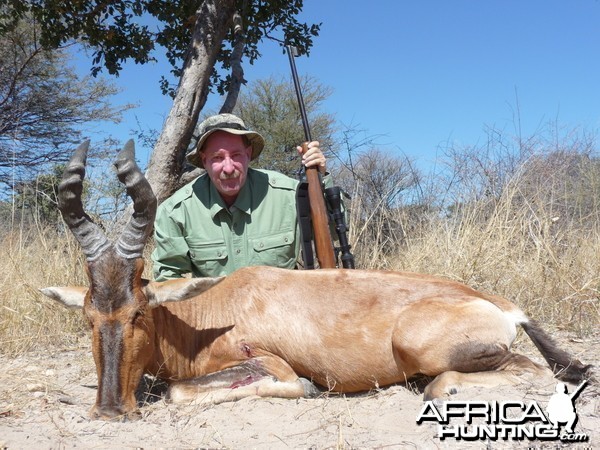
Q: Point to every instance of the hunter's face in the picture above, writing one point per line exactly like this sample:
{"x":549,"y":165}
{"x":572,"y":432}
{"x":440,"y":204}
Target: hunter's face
{"x":226,"y":160}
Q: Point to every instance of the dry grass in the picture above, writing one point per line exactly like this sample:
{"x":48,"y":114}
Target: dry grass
{"x":30,"y":260}
{"x":555,"y":279}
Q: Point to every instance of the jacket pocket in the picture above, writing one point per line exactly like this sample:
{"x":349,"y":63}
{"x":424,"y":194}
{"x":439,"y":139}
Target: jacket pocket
{"x":208,"y":257}
{"x":274,"y":250}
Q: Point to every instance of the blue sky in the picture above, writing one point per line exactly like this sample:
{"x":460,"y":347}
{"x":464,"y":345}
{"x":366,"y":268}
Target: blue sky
{"x":421,"y":75}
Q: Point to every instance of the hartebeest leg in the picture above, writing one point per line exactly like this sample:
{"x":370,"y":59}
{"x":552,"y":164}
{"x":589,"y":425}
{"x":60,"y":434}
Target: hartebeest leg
{"x":266,"y":376}
{"x":515,"y":369}
{"x":472,"y":353}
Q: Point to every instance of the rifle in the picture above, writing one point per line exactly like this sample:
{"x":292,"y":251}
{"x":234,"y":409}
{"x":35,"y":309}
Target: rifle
{"x":318,"y":210}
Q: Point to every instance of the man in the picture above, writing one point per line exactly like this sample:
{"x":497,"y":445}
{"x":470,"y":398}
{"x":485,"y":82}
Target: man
{"x":232,"y":216}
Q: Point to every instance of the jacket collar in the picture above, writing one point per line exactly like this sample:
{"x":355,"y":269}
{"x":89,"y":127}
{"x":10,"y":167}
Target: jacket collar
{"x":243,"y":202}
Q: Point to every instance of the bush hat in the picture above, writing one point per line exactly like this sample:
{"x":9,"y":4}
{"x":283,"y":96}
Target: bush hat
{"x":230,"y":124}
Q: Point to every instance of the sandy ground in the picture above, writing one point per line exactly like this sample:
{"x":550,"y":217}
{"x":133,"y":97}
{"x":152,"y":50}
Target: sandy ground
{"x":45,"y":399}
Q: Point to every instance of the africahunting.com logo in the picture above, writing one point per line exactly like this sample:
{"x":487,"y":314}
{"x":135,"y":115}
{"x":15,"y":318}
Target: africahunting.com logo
{"x":507,"y":420}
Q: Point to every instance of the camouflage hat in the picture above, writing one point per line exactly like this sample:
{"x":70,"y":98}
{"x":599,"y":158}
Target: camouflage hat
{"x":229,"y":123}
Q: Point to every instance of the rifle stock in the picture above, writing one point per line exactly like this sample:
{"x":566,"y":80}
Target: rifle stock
{"x":319,"y":217}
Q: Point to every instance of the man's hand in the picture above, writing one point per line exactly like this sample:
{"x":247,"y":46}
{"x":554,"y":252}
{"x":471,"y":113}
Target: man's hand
{"x":313,"y":157}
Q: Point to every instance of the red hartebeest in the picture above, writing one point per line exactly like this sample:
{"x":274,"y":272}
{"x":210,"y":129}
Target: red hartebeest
{"x":261,"y":329}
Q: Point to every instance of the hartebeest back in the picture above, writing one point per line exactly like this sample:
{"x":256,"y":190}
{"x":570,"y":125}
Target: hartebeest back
{"x":267,"y":331}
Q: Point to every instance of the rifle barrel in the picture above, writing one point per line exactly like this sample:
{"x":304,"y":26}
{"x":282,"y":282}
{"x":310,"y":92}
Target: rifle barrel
{"x":292,"y":52}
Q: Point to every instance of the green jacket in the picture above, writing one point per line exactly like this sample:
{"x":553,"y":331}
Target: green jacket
{"x":196,"y":233}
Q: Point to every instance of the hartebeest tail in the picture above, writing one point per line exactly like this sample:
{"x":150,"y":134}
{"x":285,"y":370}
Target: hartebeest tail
{"x":258,"y":330}
{"x":563,"y":365}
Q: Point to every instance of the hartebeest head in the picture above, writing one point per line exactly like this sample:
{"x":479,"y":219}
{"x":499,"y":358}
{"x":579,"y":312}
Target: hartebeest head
{"x":117,"y":302}
{"x":114,"y":305}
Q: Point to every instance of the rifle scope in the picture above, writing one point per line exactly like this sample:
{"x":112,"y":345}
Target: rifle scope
{"x":334,"y":197}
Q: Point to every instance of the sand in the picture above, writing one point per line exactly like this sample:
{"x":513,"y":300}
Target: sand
{"x":45,"y":398}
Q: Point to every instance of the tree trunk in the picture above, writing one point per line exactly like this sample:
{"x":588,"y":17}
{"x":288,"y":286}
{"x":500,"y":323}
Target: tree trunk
{"x":213,"y":19}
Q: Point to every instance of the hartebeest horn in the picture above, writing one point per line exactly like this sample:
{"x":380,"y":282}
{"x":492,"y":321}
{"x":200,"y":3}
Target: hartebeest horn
{"x":133,"y":239}
{"x":91,"y":238}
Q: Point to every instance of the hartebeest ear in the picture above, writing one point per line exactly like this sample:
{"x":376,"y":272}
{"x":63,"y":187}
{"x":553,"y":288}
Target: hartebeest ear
{"x":70,"y":296}
{"x":178,"y":290}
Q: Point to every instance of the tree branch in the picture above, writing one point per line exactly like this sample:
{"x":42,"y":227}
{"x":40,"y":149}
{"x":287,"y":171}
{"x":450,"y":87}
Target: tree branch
{"x":237,"y":71}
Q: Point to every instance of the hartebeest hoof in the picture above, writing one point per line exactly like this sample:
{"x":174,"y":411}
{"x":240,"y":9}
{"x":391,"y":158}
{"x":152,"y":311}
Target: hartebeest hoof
{"x":310,"y":389}
{"x":443,"y":386}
